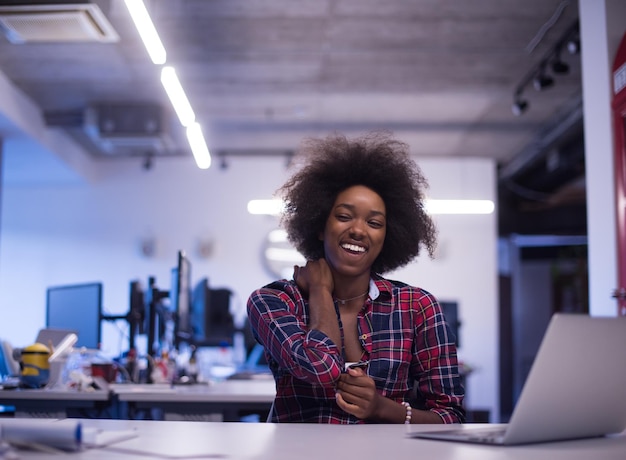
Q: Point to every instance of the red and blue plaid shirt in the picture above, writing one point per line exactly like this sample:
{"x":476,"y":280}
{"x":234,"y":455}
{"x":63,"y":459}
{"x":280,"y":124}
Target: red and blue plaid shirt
{"x":404,"y":337}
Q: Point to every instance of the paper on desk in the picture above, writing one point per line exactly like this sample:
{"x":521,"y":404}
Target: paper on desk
{"x":68,"y":435}
{"x":96,"y":437}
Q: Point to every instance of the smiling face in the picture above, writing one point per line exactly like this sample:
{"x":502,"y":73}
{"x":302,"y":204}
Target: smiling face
{"x":355,"y":231}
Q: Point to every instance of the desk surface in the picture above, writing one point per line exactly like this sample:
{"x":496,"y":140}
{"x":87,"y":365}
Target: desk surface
{"x":235,"y":391}
{"x":252,"y":390}
{"x":164,"y":439}
{"x":22,"y":394}
{"x":227,"y":398}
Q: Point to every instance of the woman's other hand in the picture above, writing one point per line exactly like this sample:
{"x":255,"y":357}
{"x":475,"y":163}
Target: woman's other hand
{"x":357,"y":395}
{"x":315,"y":274}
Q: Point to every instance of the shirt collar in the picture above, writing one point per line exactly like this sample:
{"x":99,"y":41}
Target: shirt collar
{"x":374,"y":291}
{"x":380,"y":286}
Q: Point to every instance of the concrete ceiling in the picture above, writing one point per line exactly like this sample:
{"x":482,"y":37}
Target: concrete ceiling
{"x":261,"y":75}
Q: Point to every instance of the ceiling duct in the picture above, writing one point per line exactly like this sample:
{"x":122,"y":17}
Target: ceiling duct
{"x":83,"y":22}
{"x":127,"y":129}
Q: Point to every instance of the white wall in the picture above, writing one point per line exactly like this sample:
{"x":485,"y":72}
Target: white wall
{"x":465,"y":270}
{"x":53,"y":235}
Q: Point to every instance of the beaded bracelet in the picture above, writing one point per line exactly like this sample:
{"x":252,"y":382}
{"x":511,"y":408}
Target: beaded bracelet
{"x":409,"y":412}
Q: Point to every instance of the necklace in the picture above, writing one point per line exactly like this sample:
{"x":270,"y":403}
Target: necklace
{"x":343,"y":301}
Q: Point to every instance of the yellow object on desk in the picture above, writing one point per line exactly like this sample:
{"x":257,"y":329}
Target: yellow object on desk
{"x":34,"y":365}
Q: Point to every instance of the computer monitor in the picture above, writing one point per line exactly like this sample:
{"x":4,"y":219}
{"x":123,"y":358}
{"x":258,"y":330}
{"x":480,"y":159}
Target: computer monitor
{"x":213,"y":322}
{"x":451,"y":313}
{"x":198,"y":305}
{"x":180,"y":300}
{"x":136,"y":316}
{"x":157,"y":315}
{"x":76,"y":307}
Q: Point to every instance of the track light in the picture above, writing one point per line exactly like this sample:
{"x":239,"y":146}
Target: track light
{"x":223,"y":162}
{"x":552,"y":62}
{"x":519,"y":106}
{"x":542,"y":81}
{"x":573,"y":46}
{"x":559,"y":67}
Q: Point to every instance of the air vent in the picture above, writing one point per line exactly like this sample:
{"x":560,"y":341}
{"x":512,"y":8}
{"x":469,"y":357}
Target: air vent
{"x":56,"y":23}
{"x":127,"y":129}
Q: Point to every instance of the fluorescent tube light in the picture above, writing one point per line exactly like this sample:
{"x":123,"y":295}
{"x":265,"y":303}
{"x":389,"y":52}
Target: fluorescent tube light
{"x":284,"y":255}
{"x":266,"y":207}
{"x":169,"y":79}
{"x":277,"y":236}
{"x":146,"y":30}
{"x":177,"y":96}
{"x":276,"y":206}
{"x":198,"y":146}
{"x":459,"y":206}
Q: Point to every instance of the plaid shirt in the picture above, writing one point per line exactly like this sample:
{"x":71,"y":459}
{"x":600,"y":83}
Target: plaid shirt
{"x":404,"y":337}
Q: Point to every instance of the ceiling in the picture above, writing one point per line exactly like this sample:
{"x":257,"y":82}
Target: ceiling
{"x":260,"y":76}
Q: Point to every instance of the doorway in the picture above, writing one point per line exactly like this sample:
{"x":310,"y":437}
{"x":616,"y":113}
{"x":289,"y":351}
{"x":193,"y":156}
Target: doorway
{"x":539,"y":276}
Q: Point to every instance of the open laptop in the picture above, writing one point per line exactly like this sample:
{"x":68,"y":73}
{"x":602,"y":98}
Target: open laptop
{"x":576,"y":387}
{"x":53,"y":336}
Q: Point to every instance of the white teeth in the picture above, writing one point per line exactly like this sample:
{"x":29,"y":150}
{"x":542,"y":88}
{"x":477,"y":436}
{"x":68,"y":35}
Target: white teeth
{"x":353,"y":247}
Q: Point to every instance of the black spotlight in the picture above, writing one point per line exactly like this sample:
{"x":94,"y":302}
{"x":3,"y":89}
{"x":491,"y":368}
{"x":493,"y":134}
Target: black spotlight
{"x":559,"y":67}
{"x":542,"y":81}
{"x":223,"y":163}
{"x":519,"y":107}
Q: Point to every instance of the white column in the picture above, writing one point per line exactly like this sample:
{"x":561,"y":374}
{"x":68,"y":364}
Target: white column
{"x":600,"y":37}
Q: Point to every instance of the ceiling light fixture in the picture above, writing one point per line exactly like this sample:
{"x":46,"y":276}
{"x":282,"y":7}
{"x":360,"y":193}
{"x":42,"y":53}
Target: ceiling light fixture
{"x":277,"y":236}
{"x":177,"y":96}
{"x":519,"y":106}
{"x":559,"y":67}
{"x":459,"y":206}
{"x":146,"y":30}
{"x":170,"y":82}
{"x":198,"y":146}
{"x":538,"y":75}
{"x":266,"y":207}
{"x":542,"y":80}
{"x":573,"y":46}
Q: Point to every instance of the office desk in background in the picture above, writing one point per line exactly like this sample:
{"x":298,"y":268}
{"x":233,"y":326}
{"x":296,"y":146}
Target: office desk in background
{"x":50,"y":403}
{"x":226,"y":400}
{"x":169,"y":439}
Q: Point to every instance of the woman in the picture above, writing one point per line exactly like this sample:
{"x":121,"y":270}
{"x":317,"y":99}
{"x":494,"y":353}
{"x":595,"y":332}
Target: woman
{"x":355,"y":211}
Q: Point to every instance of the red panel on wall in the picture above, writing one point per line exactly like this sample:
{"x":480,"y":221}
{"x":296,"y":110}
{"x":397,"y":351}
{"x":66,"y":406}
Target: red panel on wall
{"x":619,"y":133}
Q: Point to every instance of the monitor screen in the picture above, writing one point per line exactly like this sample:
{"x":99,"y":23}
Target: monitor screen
{"x":451,"y":313}
{"x":198,"y":305}
{"x":76,"y":307}
{"x":136,"y":316}
{"x":213,"y":323}
{"x":180,"y":298}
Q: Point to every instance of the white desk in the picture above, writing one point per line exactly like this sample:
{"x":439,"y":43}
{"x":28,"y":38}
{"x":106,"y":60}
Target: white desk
{"x":219,"y":401}
{"x":51,"y":403}
{"x":241,"y":441}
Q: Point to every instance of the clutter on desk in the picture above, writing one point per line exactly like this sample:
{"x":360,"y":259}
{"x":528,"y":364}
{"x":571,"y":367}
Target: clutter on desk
{"x":42,"y":365}
{"x":63,"y":367}
{"x":87,"y":370}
